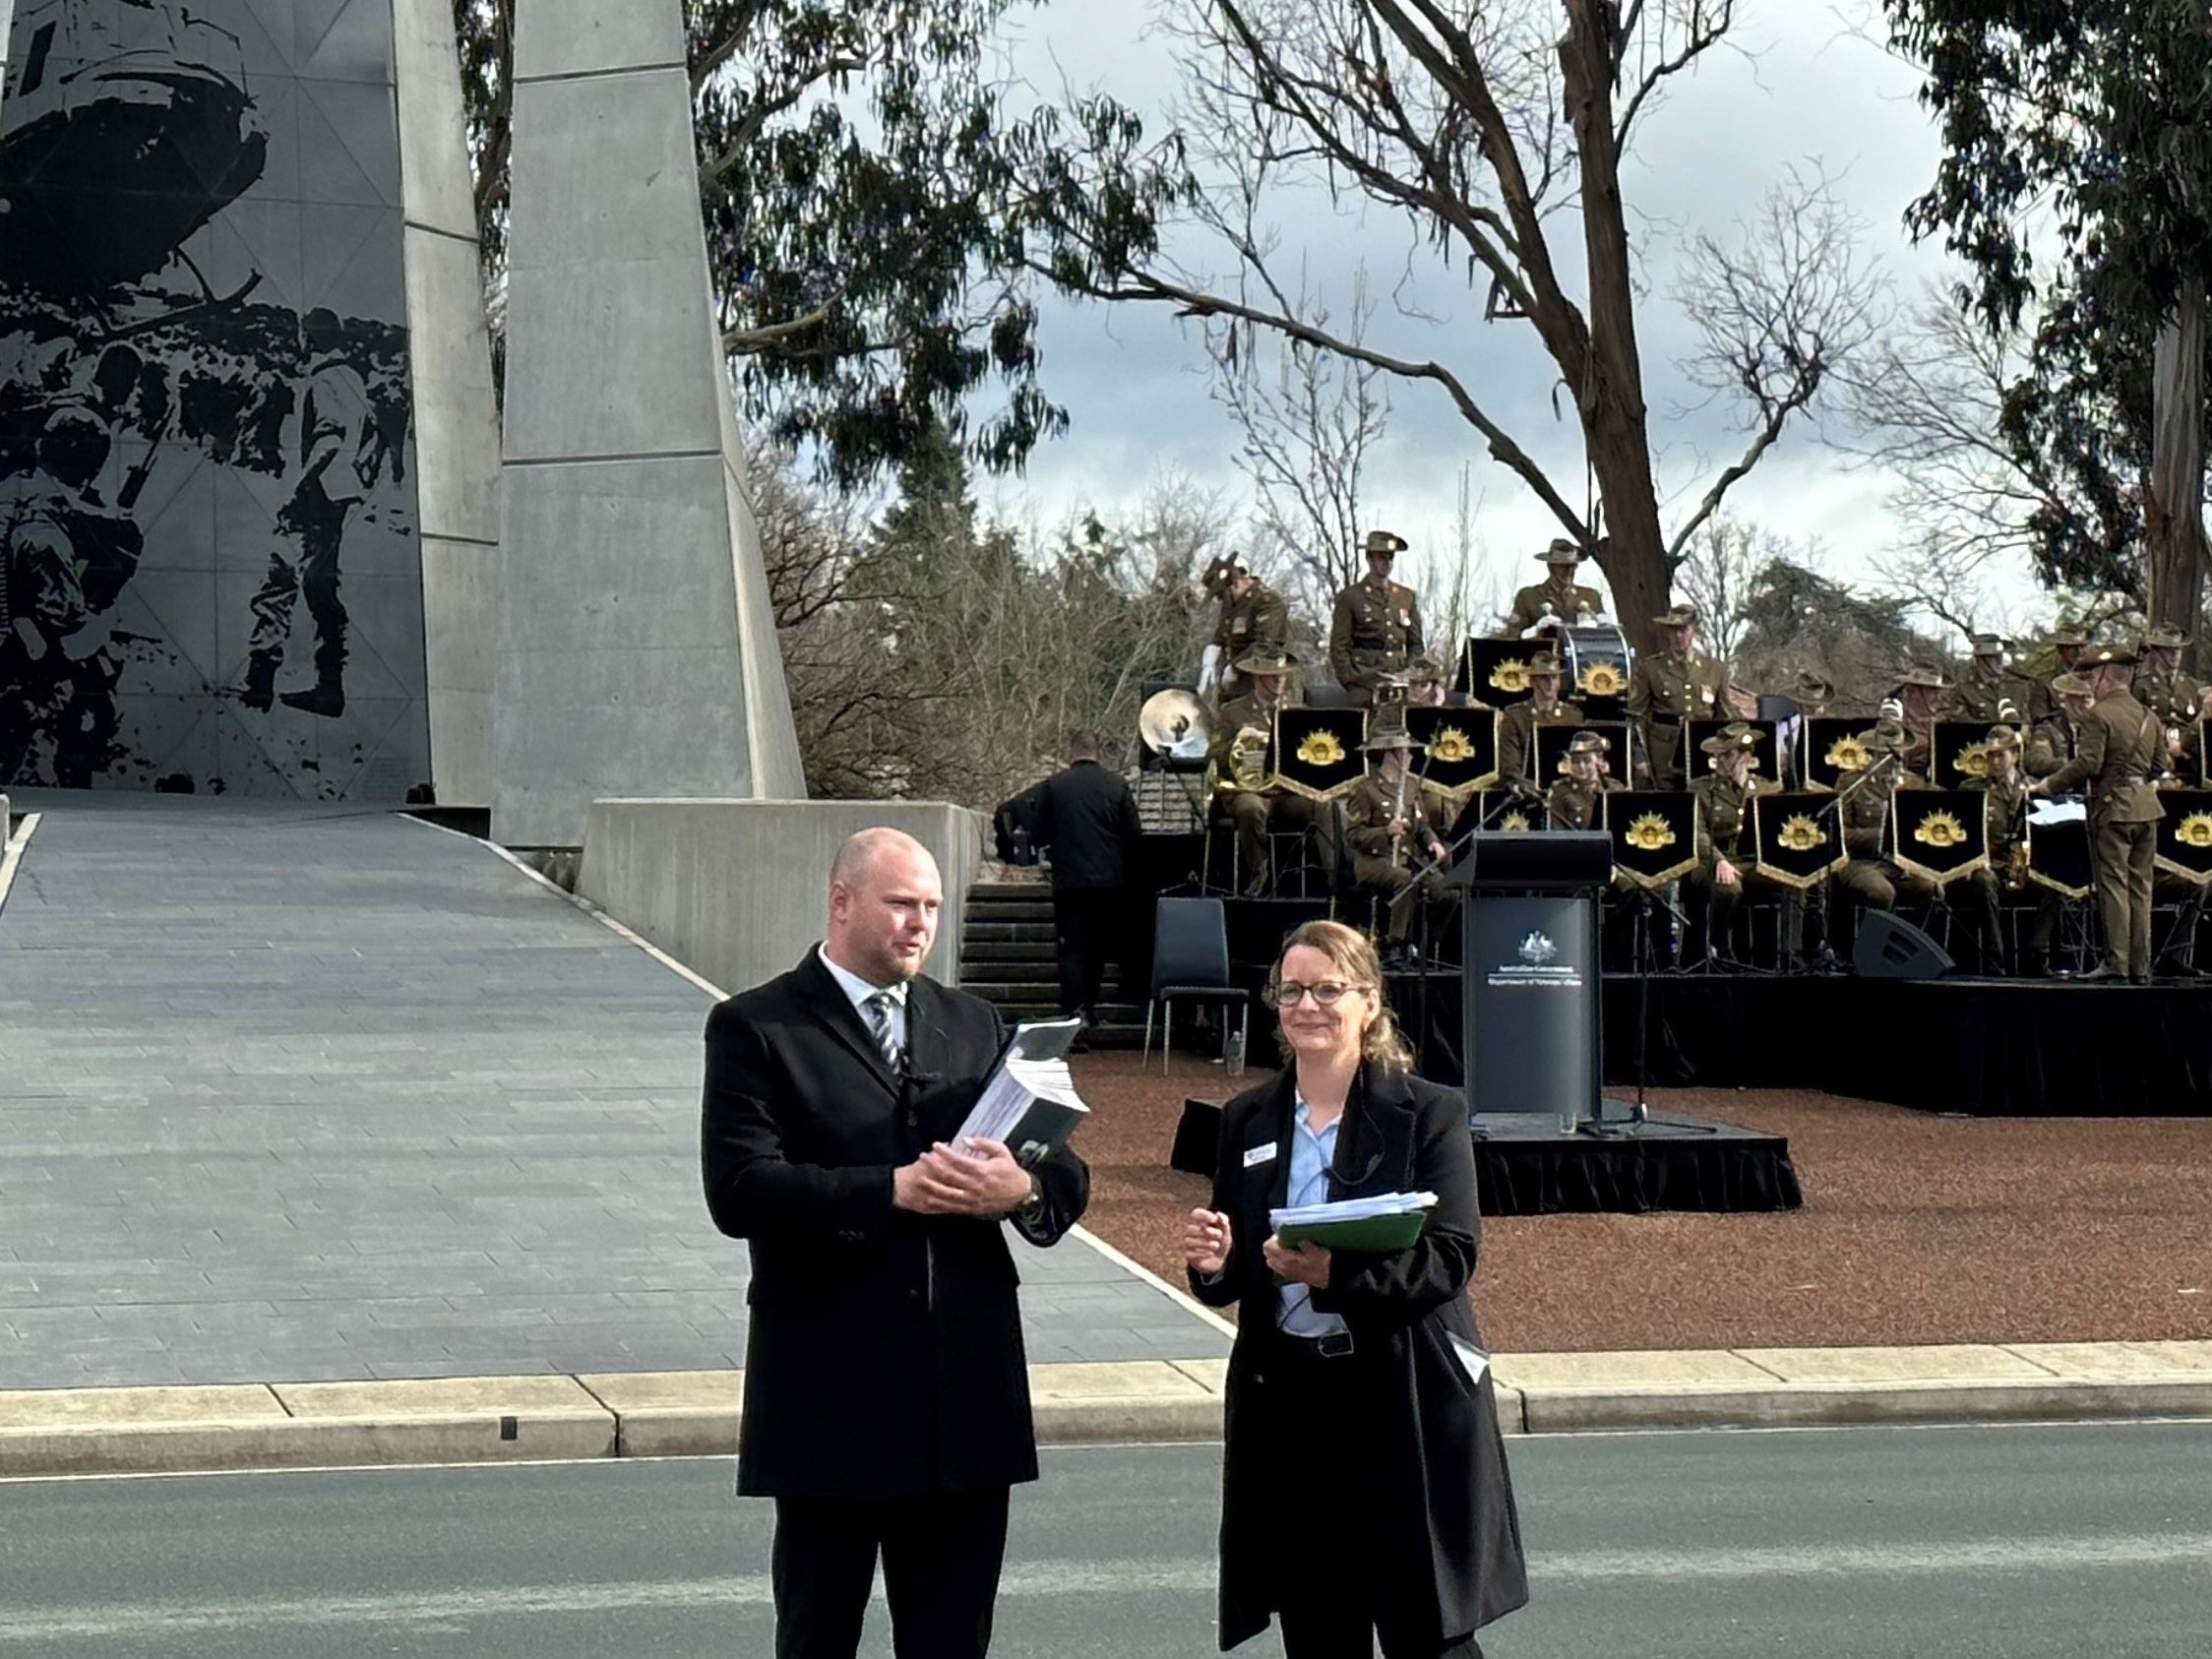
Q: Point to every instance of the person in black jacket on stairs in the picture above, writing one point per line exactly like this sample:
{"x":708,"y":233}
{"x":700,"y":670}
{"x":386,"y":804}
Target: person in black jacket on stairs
{"x":1087,"y":821}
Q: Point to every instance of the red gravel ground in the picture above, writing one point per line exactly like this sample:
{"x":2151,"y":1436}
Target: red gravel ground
{"x":1914,"y":1228}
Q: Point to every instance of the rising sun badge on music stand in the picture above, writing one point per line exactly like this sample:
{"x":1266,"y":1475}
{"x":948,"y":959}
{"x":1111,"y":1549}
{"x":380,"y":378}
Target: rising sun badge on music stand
{"x":2195,"y":830}
{"x":1510,"y":675}
{"x":1801,"y":832}
{"x":1650,"y":832}
{"x":1940,"y":830}
{"x":1321,"y":748}
{"x":1450,"y":746}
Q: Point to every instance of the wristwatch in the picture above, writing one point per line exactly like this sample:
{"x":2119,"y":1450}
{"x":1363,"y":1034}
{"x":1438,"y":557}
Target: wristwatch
{"x":1032,"y":1207}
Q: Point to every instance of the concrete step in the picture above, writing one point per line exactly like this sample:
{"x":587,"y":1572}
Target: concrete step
{"x":1008,"y":909}
{"x":1023,"y":890}
{"x":976,"y":932}
{"x":1029,"y":952}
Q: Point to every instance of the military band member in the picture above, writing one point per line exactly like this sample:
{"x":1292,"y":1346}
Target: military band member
{"x":1388,"y":818}
{"x":2120,"y":750}
{"x":1724,"y":796}
{"x":1244,"y":791}
{"x":1377,"y":626}
{"x":2008,"y":823}
{"x":2068,"y":642}
{"x":1557,"y":598}
{"x":1575,"y":801}
{"x":1864,"y":795}
{"x":1516,"y":726}
{"x":1674,"y":682}
{"x":1254,"y":617}
{"x":2053,"y":742}
{"x":1812,"y":695}
{"x":1429,"y":686}
{"x":1991,"y":693}
{"x":1921,"y":694}
{"x":2161,"y":686}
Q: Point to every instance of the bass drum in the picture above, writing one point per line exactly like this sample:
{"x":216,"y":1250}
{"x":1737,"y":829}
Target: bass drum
{"x":1597,"y":659}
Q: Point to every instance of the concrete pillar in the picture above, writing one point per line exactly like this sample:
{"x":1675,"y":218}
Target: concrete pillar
{"x":637,"y":652}
{"x":457,"y":415}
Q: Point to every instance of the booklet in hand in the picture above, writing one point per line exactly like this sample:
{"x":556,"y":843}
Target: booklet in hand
{"x":1376,"y":1226}
{"x":1030,"y":1101}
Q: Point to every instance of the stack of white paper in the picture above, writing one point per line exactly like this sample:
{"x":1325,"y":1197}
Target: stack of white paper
{"x":1012,"y":1088}
{"x":1351,"y":1209}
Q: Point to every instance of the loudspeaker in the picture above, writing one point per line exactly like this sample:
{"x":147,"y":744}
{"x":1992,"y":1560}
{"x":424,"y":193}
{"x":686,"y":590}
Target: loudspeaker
{"x":1888,"y":949}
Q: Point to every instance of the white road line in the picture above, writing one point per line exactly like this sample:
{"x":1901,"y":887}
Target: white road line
{"x":1042,"y":1580}
{"x":11,"y":850}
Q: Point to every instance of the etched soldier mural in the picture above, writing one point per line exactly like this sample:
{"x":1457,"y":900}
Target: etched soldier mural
{"x":210,"y":572}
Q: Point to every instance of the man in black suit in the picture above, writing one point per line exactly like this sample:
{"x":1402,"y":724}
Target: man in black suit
{"x":1087,"y":817}
{"x":887,"y":1401}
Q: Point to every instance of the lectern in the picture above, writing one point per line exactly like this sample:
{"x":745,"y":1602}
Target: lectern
{"x":1531,"y":1001}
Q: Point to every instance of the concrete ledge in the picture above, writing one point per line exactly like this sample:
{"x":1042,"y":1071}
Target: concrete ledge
{"x":695,"y":1413}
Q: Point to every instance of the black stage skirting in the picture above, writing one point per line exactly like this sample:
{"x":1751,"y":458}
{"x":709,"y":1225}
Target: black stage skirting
{"x":1995,"y":1048}
{"x":1525,"y":1166}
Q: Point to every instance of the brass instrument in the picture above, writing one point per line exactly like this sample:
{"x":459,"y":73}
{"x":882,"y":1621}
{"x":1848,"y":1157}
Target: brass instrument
{"x":1248,"y":762}
{"x":1397,"y":816}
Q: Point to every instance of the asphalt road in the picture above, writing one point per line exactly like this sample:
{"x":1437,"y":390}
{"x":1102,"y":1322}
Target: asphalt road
{"x":1937,"y":1543}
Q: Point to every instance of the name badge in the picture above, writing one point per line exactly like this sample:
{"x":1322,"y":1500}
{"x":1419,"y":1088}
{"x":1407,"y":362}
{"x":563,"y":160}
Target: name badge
{"x":1254,"y":1156}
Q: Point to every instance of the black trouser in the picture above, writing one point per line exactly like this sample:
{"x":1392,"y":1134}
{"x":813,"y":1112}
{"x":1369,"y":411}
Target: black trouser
{"x":1088,"y":922}
{"x":941,"y":1558}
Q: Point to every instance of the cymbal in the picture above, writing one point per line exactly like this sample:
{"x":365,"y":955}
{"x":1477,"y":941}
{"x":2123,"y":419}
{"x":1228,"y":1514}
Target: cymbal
{"x":1172,"y":720}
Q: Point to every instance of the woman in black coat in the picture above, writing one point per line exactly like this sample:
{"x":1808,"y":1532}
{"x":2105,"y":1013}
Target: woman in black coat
{"x":1360,"y":1407}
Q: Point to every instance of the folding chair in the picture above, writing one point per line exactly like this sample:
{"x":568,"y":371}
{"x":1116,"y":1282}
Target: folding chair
{"x":1190,"y":960}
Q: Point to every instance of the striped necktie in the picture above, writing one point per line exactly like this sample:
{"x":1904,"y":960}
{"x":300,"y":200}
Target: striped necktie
{"x":878,"y":1008}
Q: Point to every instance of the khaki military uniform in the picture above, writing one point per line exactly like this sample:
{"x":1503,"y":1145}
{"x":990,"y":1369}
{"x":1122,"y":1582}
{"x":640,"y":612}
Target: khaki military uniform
{"x":1259,"y":621}
{"x":1868,"y":876}
{"x":1517,"y":737}
{"x":1572,"y":804}
{"x":1724,"y":819}
{"x":2173,"y":696}
{"x":1376,"y":631}
{"x":2007,"y":821}
{"x":2009,"y":700}
{"x":1370,"y":808}
{"x":1533,"y":604}
{"x":2051,"y":745}
{"x":2121,"y":749}
{"x":1253,"y":812}
{"x":1667,"y":689}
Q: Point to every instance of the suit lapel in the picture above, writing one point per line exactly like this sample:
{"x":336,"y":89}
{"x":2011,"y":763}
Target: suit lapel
{"x":833,"y":1010}
{"x":1362,"y":1167}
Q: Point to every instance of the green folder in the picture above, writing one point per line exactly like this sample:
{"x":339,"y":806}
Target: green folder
{"x":1372,"y":1235}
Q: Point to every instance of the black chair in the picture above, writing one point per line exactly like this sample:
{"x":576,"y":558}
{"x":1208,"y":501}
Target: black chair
{"x":1190,"y":960}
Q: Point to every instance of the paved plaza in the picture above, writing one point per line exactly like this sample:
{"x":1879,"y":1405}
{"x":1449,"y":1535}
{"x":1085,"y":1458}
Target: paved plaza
{"x":294,"y":1093}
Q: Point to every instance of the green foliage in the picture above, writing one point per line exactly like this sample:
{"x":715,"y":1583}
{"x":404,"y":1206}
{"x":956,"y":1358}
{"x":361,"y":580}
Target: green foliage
{"x":2085,"y":128}
{"x":853,"y":160}
{"x":1795,"y":618}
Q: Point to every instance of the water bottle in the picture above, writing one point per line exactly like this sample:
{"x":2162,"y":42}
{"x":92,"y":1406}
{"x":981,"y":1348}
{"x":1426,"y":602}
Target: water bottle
{"x":1233,"y":1051}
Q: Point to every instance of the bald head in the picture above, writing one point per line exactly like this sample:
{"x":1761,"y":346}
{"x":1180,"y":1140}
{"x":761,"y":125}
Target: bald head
{"x":884,"y":895}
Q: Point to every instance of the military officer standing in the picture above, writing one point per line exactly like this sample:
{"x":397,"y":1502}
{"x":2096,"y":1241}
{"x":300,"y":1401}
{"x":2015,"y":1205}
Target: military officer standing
{"x":1677,"y":682}
{"x":1387,"y":818}
{"x":1516,"y":726}
{"x":1253,"y":618}
{"x":2121,"y":748}
{"x":1724,"y":796}
{"x":1246,"y":791}
{"x":1577,"y":800}
{"x":1377,"y":627}
{"x":1557,"y":598}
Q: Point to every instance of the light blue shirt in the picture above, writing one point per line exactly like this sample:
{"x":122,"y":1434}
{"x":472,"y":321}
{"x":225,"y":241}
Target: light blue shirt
{"x":859,"y":990}
{"x":1310,"y":1156}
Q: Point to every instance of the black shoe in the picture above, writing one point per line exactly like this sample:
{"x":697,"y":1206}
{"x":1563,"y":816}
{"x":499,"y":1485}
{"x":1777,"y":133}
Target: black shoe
{"x":258,"y":688}
{"x":326,"y":701}
{"x":2171,"y":967}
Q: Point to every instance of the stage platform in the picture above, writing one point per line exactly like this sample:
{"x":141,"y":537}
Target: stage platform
{"x":1984,"y":1047}
{"x":1526,"y":1165}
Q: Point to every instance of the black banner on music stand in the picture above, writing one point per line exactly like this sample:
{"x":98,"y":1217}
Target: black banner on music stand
{"x":1458,"y":747}
{"x":1496,"y":671}
{"x":2058,"y":855}
{"x":1795,"y":837}
{"x":1765,"y":751}
{"x":1318,"y":753}
{"x":1508,"y":814}
{"x":1835,"y":744}
{"x":1940,"y":833}
{"x":2184,"y":835}
{"x":1551,"y":742}
{"x":1961,"y":752}
{"x":1655,"y":835}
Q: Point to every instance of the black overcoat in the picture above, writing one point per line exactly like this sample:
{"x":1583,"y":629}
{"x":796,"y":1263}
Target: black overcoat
{"x":1453,"y":1540}
{"x":884,"y":1353}
{"x":1088,"y":819}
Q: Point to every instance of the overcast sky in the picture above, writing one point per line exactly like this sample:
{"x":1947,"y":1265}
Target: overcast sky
{"x":1805,"y":86}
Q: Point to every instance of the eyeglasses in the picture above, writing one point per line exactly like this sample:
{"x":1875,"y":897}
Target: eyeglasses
{"x":1289,"y":993}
